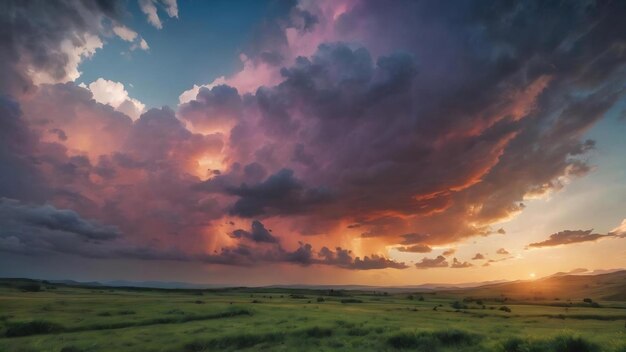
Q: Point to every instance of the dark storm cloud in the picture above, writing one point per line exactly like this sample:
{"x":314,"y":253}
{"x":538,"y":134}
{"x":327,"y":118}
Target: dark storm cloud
{"x":48,"y":218}
{"x":427,"y":119}
{"x":477,"y":115}
{"x":569,"y":237}
{"x":280,"y":193}
{"x":33,"y":229}
{"x":33,"y":33}
{"x":258,"y":233}
{"x":426,"y":263}
{"x":19,"y":175}
{"x":213,"y":108}
{"x":304,"y":255}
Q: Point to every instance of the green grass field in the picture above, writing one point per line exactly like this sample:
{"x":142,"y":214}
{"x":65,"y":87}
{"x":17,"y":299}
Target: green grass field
{"x":66,"y":318}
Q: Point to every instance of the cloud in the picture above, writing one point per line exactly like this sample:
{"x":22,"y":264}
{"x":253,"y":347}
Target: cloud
{"x":125,"y":33}
{"x":449,"y":252}
{"x":280,"y":193}
{"x":619,"y":231}
{"x":149,"y":8}
{"x":569,"y":237}
{"x":36,"y":50}
{"x":478,"y":256}
{"x":215,"y":109}
{"x":171,"y":7}
{"x":47,"y":217}
{"x":456,"y":264}
{"x":473,"y":126}
{"x":258,"y":233}
{"x":143,"y":45}
{"x":130,"y":35}
{"x":114,"y":94}
{"x":502,"y":251}
{"x":417,"y":248}
{"x":426,"y":263}
{"x":414,"y":238}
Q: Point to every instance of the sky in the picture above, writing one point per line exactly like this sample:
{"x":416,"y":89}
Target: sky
{"x":311,"y":142}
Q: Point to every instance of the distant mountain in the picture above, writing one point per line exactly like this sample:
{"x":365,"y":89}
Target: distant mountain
{"x":187,"y":285}
{"x":610,"y":286}
{"x":576,"y":284}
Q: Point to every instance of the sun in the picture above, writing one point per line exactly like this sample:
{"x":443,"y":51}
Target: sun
{"x":532,"y":275}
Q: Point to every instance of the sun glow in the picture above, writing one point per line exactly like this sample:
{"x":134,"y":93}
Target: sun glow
{"x":532,"y":275}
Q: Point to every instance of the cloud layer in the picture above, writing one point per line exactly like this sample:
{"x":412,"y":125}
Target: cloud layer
{"x":347,"y":128}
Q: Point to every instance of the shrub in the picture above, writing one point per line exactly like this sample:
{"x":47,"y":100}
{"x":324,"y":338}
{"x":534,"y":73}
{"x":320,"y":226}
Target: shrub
{"x":421,"y":298}
{"x":505,"y":309}
{"x":411,"y":341}
{"x":351,"y":300}
{"x":71,"y":349}
{"x":358,"y":332}
{"x":458,"y":305}
{"x":558,"y":344}
{"x":30,"y":287}
{"x":431,"y":341}
{"x":238,"y":342}
{"x":455,"y":337}
{"x":572,"y":344}
{"x":318,"y":332}
{"x":320,"y":299}
{"x":31,"y":328}
{"x":588,"y":300}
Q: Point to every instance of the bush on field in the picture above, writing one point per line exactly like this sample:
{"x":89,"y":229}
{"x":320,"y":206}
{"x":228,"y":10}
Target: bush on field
{"x":505,"y":309}
{"x":358,"y":332}
{"x":30,"y":287}
{"x":431,"y":341}
{"x":320,"y":299}
{"x":318,"y":332}
{"x":237,"y":342}
{"x":564,"y":343}
{"x":71,"y":349}
{"x":458,"y":305}
{"x":31,"y":328}
{"x":351,"y":300}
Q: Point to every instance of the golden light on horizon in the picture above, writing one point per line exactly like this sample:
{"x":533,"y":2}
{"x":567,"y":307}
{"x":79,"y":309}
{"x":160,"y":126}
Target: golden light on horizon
{"x":532,"y":275}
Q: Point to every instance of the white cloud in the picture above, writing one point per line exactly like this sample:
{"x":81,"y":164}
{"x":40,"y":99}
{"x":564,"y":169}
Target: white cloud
{"x":171,"y":7}
{"x":143,"y":44}
{"x":149,"y":8}
{"x":114,"y":94}
{"x":125,"y":33}
{"x":620,"y":230}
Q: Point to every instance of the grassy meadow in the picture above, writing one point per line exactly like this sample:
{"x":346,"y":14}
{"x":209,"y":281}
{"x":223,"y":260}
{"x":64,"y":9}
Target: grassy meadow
{"x":39,"y":316}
